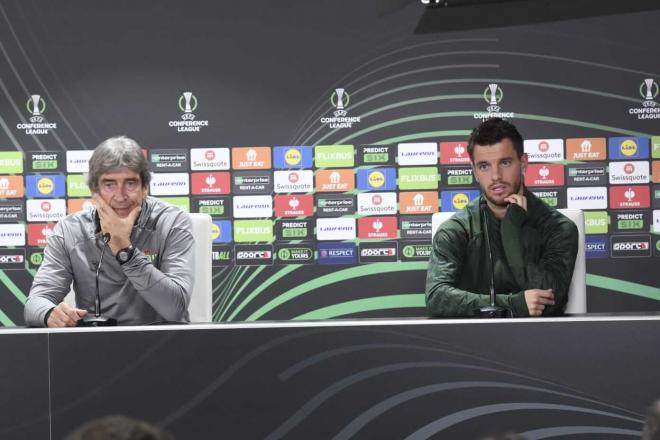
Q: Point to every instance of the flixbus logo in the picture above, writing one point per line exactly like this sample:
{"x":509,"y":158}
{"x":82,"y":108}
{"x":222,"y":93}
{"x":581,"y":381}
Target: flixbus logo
{"x":334,"y":156}
{"x":11,"y":162}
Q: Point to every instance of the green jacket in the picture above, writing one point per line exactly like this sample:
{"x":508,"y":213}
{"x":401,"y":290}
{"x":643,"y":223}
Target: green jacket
{"x":537,"y":251}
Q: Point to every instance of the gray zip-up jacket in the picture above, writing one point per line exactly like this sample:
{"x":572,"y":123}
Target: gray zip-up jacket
{"x":154,"y":285}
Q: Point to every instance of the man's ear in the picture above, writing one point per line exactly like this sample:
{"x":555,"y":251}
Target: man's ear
{"x":523,"y":163}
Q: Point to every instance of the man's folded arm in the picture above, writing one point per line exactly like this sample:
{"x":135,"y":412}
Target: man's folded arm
{"x":169,"y":289}
{"x":443,"y":299}
{"x":554,"y":269}
{"x":52,"y":281}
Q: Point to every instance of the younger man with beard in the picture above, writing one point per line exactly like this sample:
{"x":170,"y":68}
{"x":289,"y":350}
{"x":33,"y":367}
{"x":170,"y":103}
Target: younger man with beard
{"x":533,"y":247}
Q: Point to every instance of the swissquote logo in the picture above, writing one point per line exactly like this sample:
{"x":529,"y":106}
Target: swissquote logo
{"x":188,"y":104}
{"x":340,"y":100}
{"x":206,"y":159}
{"x":648,"y":90}
{"x":493,"y":95}
{"x":45,"y":210}
{"x":36,"y":106}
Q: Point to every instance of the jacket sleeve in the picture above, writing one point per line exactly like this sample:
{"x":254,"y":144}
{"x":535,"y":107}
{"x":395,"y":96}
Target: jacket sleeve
{"x":169,"y":289}
{"x":554,"y":269}
{"x":52,"y":281}
{"x":443,"y":298}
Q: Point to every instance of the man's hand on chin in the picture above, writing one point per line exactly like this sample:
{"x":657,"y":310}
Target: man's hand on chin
{"x":118,"y":227}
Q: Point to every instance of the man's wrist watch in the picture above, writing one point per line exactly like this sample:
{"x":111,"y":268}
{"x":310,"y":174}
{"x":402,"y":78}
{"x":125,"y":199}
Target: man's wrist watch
{"x":124,"y":255}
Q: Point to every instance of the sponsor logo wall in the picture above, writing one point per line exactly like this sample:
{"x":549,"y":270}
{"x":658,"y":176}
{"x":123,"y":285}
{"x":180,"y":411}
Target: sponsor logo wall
{"x":343,"y":204}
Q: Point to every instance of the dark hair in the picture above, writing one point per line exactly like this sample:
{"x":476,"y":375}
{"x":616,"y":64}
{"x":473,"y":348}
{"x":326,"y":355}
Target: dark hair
{"x":492,"y":131}
{"x":118,"y":427}
{"x":117,"y":152}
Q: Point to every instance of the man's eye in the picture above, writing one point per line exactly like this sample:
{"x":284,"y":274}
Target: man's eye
{"x":506,"y":163}
{"x":483,"y":167}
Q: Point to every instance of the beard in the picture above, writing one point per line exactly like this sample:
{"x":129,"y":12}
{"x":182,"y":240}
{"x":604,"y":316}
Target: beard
{"x":517,"y":185}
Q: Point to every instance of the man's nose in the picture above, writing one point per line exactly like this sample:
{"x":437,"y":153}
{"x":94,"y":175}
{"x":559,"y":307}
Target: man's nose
{"x":122,"y":193}
{"x":495,"y":173}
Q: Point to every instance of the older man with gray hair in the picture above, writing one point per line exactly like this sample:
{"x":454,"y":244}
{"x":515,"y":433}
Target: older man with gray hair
{"x":149,"y":275}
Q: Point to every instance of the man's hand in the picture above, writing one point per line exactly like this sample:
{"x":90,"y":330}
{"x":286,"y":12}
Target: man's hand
{"x":65,"y":316}
{"x":537,"y":299}
{"x":118,"y":228}
{"x":518,"y":199}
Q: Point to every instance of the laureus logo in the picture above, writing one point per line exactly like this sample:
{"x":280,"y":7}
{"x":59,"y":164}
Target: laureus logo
{"x":340,"y":99}
{"x":36,"y":106}
{"x":187,"y":103}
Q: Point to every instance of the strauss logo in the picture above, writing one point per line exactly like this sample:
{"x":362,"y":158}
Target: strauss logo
{"x":210,"y":180}
{"x":377,"y":225}
{"x":629,"y":194}
{"x":294,"y":203}
{"x":544,"y":172}
{"x":459,"y":150}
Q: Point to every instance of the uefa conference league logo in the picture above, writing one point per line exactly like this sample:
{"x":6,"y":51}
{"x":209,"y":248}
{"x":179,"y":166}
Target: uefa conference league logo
{"x":36,"y":106}
{"x":648,"y":90}
{"x":340,"y":100}
{"x":493,"y":95}
{"x":188,"y":104}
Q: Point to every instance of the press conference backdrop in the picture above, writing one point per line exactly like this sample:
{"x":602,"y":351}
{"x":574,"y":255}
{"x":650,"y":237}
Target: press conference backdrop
{"x":322,"y":136}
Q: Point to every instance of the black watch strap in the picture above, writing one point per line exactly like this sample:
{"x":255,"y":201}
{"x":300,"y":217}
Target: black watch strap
{"x":124,"y":255}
